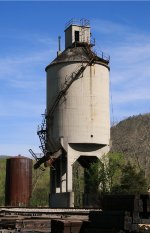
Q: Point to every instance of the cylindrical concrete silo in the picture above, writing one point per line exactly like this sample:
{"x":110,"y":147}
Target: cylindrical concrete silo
{"x":82,"y":115}
{"x":18,"y":185}
{"x":77,"y":121}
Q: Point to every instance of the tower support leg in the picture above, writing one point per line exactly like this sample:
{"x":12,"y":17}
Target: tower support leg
{"x":61,"y":195}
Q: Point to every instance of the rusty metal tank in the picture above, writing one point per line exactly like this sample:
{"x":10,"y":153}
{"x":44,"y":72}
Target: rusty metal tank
{"x":18,"y":185}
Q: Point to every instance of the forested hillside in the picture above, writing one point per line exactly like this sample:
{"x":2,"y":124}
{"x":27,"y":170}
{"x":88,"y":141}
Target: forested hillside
{"x":132,"y":138}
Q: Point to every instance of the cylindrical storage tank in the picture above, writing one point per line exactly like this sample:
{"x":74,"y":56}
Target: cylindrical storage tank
{"x":82,"y":115}
{"x":18,"y":185}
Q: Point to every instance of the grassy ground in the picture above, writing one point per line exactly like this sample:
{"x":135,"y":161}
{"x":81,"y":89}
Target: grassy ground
{"x":2,"y":181}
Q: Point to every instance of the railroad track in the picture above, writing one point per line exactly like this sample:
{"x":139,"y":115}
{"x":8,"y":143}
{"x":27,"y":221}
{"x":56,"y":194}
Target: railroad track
{"x":46,"y":220}
{"x":43,"y":211}
{"x":37,"y":219}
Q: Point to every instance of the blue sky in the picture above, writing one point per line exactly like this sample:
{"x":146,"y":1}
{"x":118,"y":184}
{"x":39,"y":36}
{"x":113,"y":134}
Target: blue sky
{"x":28,"y":42}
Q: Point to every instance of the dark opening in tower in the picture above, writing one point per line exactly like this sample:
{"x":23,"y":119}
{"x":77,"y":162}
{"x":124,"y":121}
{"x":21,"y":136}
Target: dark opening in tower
{"x":76,"y":33}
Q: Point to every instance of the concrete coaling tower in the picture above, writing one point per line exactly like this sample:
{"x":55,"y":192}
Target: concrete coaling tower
{"x":77,"y":119}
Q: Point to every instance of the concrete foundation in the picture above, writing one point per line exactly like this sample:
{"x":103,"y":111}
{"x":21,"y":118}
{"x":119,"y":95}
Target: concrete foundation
{"x":62,"y":200}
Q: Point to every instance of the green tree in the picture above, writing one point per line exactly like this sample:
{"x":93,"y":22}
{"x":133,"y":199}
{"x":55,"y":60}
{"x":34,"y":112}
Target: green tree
{"x":114,"y":168}
{"x":105,"y":173}
{"x":96,"y":178}
{"x":132,"y":181}
{"x":78,"y":184}
{"x":111,"y":174}
{"x":40,"y":188}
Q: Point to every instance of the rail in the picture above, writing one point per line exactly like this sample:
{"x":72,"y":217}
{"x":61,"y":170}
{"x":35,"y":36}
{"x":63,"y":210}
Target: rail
{"x":80,"y":22}
{"x":45,"y":210}
{"x":102,"y":55}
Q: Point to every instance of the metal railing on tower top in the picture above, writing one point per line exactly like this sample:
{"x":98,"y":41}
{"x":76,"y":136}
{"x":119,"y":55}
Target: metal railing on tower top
{"x":80,"y":22}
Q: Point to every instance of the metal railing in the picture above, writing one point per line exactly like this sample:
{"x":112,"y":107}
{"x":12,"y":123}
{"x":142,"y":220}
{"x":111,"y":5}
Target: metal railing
{"x":102,"y":55}
{"x":80,"y":22}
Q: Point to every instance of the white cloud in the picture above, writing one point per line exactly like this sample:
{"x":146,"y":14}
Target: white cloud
{"x":129,"y":50}
{"x":23,"y":81}
{"x":23,"y":95}
{"x":23,"y":64}
{"x":21,"y":108}
{"x":108,"y":27}
{"x":131,"y":95}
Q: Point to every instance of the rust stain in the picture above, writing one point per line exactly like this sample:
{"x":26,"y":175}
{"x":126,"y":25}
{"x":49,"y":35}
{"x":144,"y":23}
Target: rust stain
{"x":94,"y":69}
{"x":91,"y":94}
